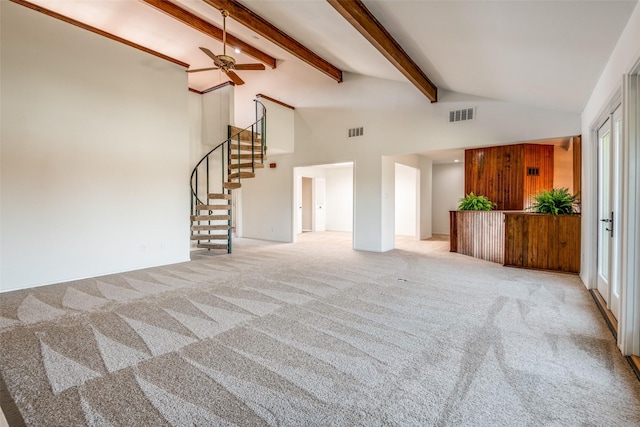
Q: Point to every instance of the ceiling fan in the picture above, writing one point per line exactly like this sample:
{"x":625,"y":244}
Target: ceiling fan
{"x":224,"y":62}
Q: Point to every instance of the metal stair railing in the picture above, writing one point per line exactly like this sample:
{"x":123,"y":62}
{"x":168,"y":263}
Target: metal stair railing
{"x":207,"y":163}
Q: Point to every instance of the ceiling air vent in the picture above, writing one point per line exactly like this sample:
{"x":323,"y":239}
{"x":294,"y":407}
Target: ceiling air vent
{"x":463,"y":115}
{"x":356,"y":132}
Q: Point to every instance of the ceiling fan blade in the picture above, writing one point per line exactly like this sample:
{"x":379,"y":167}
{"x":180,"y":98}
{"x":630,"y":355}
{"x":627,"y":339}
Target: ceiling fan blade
{"x":209,"y":53}
{"x":249,"y":67}
{"x":235,"y":78}
{"x":213,"y":56}
{"x":203,"y":69}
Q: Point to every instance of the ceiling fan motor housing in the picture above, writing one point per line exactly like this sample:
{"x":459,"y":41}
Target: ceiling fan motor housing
{"x":228,"y":60}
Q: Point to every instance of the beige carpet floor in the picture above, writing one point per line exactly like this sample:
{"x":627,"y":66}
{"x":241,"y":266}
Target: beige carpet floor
{"x":316,"y":334}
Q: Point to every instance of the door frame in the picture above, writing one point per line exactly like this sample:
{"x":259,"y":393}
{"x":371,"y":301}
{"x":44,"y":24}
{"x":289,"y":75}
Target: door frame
{"x":311,"y":171}
{"x":319,"y":203}
{"x":615,"y":194}
{"x":317,"y":207}
{"x":591,"y":212}
{"x":629,"y":322}
{"x":609,"y":192}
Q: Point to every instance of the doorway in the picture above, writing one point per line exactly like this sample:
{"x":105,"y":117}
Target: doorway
{"x":406,"y":201}
{"x":323,"y":198}
{"x":609,"y":144}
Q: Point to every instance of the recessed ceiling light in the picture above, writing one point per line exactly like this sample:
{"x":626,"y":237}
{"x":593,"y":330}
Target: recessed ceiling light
{"x":456,"y":160}
{"x":237,"y":50}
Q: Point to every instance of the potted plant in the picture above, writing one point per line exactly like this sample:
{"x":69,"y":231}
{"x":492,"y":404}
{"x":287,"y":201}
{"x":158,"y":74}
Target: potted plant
{"x":471,"y":202}
{"x":557,"y":201}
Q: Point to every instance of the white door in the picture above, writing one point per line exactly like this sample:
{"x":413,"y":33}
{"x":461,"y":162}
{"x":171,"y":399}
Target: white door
{"x":319,"y":185}
{"x":608,"y":144}
{"x":616,"y":191}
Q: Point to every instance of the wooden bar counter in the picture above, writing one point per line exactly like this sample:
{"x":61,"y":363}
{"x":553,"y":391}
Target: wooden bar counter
{"x":518,"y":239}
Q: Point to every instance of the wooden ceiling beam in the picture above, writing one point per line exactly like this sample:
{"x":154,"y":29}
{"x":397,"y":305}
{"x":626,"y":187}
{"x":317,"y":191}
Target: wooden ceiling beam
{"x":357,"y":14}
{"x":262,"y":27}
{"x":210,"y":30}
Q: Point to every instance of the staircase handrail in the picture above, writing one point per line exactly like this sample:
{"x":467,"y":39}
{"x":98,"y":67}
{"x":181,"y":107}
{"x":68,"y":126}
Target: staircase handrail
{"x":261,"y":120}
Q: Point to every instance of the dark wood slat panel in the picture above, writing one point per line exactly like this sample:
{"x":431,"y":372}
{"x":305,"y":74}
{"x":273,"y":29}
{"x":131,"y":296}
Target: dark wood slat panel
{"x":513,"y":230}
{"x":500,"y":173}
{"x":544,"y":242}
{"x":496,"y":172}
{"x":453,"y":231}
{"x":539,"y":157}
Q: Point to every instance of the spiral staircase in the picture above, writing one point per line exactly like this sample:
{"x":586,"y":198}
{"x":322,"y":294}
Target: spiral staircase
{"x":217,"y":174}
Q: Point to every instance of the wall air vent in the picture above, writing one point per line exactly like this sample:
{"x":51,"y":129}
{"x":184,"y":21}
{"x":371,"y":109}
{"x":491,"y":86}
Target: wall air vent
{"x":533,"y":171}
{"x":356,"y":132}
{"x":463,"y":115}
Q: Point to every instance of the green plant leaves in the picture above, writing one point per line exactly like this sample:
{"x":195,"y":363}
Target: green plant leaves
{"x":471,"y":202}
{"x":557,"y":201}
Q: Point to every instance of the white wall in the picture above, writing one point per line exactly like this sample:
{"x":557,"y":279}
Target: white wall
{"x":448,"y":189}
{"x":387,"y":223}
{"x":196,"y":149}
{"x":426,"y":196}
{"x":339,"y":198}
{"x":95,"y":152}
{"x":217,"y":115}
{"x":398,"y":120}
{"x":406,"y":196}
{"x":267,"y":201}
{"x":280,"y":128}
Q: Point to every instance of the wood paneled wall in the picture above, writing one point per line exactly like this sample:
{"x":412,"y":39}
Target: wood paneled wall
{"x":500,"y":173}
{"x":542,"y":241}
{"x":539,"y":157}
{"x":495,"y":172}
{"x":479,"y":234}
{"x":518,"y":239}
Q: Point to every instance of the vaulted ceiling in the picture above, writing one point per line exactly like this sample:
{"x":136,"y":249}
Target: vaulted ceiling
{"x":542,"y":53}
